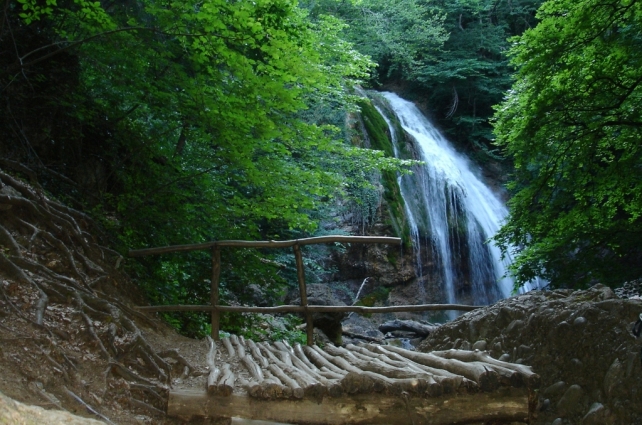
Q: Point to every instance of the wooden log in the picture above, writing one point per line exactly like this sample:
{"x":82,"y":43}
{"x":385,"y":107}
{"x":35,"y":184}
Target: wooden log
{"x":486,"y":378}
{"x":340,"y":351}
{"x":357,"y":383}
{"x":449,"y":382}
{"x":265,"y":244}
{"x":329,"y":380}
{"x":396,"y":359}
{"x":300,"y":273}
{"x":407,"y":325}
{"x":253,"y":368}
{"x":256,"y":353}
{"x":298,"y":352}
{"x":282,"y":354}
{"x":285,"y":346}
{"x":297,"y":391}
{"x":216,"y":274}
{"x":311,"y":386}
{"x":325,"y":369}
{"x":506,"y":405}
{"x":265,"y":390}
{"x":228,"y":346}
{"x":311,"y":308}
{"x":225,"y":385}
{"x":210,"y":360}
{"x":530,"y":378}
{"x":294,"y":361}
{"x":260,"y":389}
{"x":210,"y":357}
{"x":366,"y":381}
{"x":251,"y":387}
{"x":363,"y":352}
{"x":402,"y":379}
{"x":239,"y":346}
{"x":398,"y":370}
{"x":363,"y":382}
{"x":330,"y":374}
{"x":212,"y":381}
{"x":304,"y":367}
{"x":320,"y":358}
{"x":272,"y":388}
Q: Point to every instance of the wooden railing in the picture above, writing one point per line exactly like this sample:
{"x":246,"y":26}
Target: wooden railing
{"x":215,"y":308}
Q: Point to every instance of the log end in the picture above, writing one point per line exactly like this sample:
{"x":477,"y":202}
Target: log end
{"x":488,"y":381}
{"x":225,"y":390}
{"x":533,"y":381}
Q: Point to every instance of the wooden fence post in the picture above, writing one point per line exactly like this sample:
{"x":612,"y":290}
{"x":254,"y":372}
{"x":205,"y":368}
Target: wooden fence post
{"x":300,"y":272}
{"x":216,"y":274}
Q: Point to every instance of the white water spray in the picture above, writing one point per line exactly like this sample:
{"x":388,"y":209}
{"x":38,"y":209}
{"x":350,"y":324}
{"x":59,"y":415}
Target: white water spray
{"x":451,"y":212}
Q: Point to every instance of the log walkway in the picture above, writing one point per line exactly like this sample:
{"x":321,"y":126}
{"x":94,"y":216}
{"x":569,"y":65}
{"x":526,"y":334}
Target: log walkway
{"x":365,"y":384}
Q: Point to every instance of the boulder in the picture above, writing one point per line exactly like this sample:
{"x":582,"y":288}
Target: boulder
{"x":14,"y":412}
{"x":598,"y":414}
{"x":571,"y":401}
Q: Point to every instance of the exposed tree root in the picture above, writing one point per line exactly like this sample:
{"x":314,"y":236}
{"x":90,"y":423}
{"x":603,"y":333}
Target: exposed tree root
{"x":50,"y":262}
{"x":149,"y":408}
{"x":88,"y":407}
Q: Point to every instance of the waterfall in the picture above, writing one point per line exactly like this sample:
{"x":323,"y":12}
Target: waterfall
{"x":451,"y":213}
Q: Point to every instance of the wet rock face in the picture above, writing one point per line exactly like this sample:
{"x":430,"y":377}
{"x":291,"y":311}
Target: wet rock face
{"x":389,"y":265}
{"x":579,"y":342}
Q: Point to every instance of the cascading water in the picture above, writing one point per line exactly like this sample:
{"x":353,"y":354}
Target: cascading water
{"x":451,"y":213}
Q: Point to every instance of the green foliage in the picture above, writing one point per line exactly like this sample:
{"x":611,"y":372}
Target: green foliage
{"x":398,"y":35}
{"x":376,"y":128}
{"x":572,"y":124}
{"x":378,"y":134}
{"x":447,"y":55}
{"x":261,"y":327}
{"x":286,"y":328}
{"x":183,"y":122}
{"x":470,"y":73}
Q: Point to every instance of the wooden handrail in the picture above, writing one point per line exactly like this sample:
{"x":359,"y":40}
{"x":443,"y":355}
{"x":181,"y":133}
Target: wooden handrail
{"x":311,"y":308}
{"x":215,"y":309}
{"x":266,"y":244}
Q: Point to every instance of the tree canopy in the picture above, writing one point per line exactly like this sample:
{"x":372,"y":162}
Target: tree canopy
{"x":572,"y":124}
{"x":447,"y":55}
{"x":182,"y":121}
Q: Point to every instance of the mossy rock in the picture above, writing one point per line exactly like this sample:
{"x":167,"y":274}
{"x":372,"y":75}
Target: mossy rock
{"x":379,"y":137}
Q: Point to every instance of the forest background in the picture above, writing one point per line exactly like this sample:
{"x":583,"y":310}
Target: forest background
{"x":179,"y":122}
